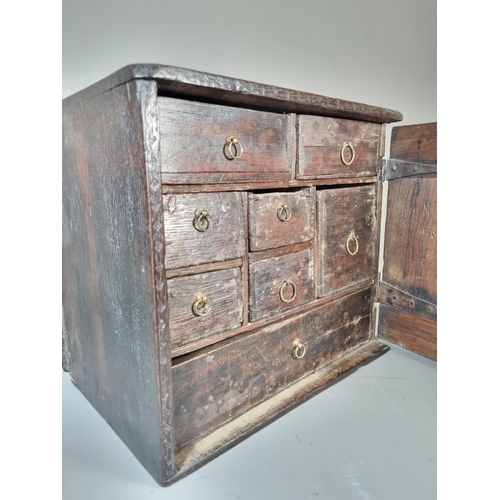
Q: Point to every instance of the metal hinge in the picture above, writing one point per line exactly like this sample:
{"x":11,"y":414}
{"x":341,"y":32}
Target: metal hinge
{"x":383,"y":169}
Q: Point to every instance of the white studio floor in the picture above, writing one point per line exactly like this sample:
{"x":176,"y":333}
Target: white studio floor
{"x":372,"y":436}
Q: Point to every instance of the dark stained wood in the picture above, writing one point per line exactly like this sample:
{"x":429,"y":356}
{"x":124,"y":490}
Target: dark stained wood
{"x":228,"y":381}
{"x":205,"y":86}
{"x":203,"y":268}
{"x":253,"y":186}
{"x":267,"y":277}
{"x":341,"y":212}
{"x":320,"y":144}
{"x":110,"y":284}
{"x":408,"y":330}
{"x":222,"y":288}
{"x":186,"y":245}
{"x":196,"y":455}
{"x":411,"y":237}
{"x":193,"y":143}
{"x":267,"y":230}
{"x":415,"y":143}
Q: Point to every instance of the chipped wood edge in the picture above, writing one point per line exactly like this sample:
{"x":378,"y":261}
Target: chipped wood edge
{"x":147,"y":95}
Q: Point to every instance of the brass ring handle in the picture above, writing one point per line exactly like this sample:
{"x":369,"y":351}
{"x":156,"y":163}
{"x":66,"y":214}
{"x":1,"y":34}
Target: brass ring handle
{"x":342,"y":157}
{"x":352,"y":237}
{"x":202,"y":220}
{"x":199,"y":305}
{"x":232,"y":142}
{"x":282,"y":289}
{"x":299,"y":349}
{"x":284,"y":213}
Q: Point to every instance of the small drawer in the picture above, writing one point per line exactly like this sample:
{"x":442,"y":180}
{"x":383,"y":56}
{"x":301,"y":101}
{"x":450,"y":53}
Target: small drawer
{"x":347,"y":238}
{"x":228,"y":380}
{"x":331,"y":147}
{"x":279,"y":219}
{"x":203,"y":228}
{"x":203,"y":305}
{"x":202,"y":143}
{"x":280,"y":283}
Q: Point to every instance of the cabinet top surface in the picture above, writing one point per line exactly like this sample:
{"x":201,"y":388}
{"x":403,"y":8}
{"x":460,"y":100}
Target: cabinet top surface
{"x":188,"y":83}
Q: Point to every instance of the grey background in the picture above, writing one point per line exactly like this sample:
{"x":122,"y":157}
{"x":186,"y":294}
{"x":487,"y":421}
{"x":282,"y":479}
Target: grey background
{"x":373,"y":435}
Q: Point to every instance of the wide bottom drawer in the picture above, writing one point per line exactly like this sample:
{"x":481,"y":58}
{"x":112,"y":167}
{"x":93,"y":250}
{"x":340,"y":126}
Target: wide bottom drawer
{"x":226,"y":381}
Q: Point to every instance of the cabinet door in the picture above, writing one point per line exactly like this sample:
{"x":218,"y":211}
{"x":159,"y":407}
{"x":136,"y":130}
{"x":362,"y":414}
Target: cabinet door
{"x":347,"y":237}
{"x":408,"y":288}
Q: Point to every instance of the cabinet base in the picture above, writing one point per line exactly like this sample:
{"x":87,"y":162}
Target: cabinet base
{"x":198,"y":454}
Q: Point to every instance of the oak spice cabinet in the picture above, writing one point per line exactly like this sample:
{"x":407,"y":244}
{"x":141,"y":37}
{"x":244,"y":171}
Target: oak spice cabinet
{"x":220,"y":253}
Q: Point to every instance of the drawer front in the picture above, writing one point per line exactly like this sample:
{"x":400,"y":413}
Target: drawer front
{"x":347,"y":231}
{"x":203,"y":228}
{"x":227,"y":381}
{"x":326,"y":147}
{"x":280,"y":283}
{"x":195,"y":148}
{"x":278,"y":219}
{"x":204,"y":305}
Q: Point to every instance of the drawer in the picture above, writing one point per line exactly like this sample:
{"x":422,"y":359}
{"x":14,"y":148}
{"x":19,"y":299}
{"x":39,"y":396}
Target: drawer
{"x":331,"y":147}
{"x":278,"y":219}
{"x":203,"y":228}
{"x":203,"y":305}
{"x":226,"y":381}
{"x":195,"y":145}
{"x":279,"y":284}
{"x":347,"y":232}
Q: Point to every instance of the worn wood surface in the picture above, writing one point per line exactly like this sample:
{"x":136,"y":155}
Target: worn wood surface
{"x":193,"y":141}
{"x":200,"y":452}
{"x":254,"y":186}
{"x":109,"y":280}
{"x":228,"y":381}
{"x":234,"y":91}
{"x":410,"y":254}
{"x":341,"y":212}
{"x":222,"y":288}
{"x":408,"y":330}
{"x":186,"y":245}
{"x":267,"y":277}
{"x":415,"y":143}
{"x":267,"y":230}
{"x":320,"y":142}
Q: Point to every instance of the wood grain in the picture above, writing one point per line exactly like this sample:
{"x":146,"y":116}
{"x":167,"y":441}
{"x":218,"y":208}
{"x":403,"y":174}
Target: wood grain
{"x":109,"y":283}
{"x":410,"y":254}
{"x":192,"y":457}
{"x":223,"y":289}
{"x":408,"y":330}
{"x":320,"y":141}
{"x":183,"y":82}
{"x":193,"y":141}
{"x":341,"y":212}
{"x":187,"y":246}
{"x":228,"y":381}
{"x":267,"y":277}
{"x":267,"y":230}
{"x":415,"y":143}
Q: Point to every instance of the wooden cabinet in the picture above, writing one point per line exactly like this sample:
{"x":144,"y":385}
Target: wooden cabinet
{"x":220,"y":249}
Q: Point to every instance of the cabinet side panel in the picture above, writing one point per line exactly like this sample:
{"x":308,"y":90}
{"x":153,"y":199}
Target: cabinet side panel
{"x":108,"y":276}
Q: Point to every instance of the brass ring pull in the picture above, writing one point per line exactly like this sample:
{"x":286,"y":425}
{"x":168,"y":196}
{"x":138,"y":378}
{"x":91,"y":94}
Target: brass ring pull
{"x":352,"y":237}
{"x":299,"y":349}
{"x":284,"y":213}
{"x":199,"y":306}
{"x":282,"y":289}
{"x":233,"y":142}
{"x":202,"y":220}
{"x":342,"y":157}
